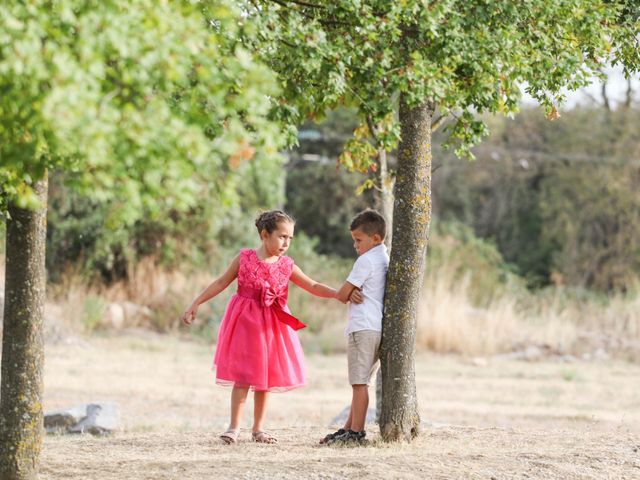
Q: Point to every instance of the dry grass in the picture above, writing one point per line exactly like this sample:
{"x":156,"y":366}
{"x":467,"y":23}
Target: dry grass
{"x":448,"y":321}
{"x":507,"y":419}
{"x":453,"y":452}
{"x":154,"y":296}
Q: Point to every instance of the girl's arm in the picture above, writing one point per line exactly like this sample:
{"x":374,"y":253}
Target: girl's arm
{"x":318,"y":289}
{"x":217,"y":286}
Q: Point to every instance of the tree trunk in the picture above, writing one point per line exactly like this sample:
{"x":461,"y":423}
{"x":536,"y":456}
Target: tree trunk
{"x":21,"y":422}
{"x":399,"y":419}
{"x":385,"y":206}
{"x":385,"y":195}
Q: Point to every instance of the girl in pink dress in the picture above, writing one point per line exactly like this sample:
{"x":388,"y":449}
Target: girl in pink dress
{"x":258,"y":347}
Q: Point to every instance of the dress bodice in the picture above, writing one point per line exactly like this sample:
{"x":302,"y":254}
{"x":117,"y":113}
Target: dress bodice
{"x":256,"y":274}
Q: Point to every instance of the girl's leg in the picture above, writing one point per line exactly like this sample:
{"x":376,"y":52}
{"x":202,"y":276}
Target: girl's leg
{"x":259,"y":410}
{"x":238,"y":399}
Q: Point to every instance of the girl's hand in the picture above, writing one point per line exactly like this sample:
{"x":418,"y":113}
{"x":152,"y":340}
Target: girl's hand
{"x":189,"y":314}
{"x":356,"y":296}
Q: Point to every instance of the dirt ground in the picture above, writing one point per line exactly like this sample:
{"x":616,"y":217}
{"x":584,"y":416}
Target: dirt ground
{"x":497,"y":419}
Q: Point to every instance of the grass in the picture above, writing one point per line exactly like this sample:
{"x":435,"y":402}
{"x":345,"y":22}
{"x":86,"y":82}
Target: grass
{"x":449,"y":321}
{"x":503,"y":420}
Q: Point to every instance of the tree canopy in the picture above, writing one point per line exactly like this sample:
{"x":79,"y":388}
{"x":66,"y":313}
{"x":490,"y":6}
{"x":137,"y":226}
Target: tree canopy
{"x":146,"y":103}
{"x":465,"y":57}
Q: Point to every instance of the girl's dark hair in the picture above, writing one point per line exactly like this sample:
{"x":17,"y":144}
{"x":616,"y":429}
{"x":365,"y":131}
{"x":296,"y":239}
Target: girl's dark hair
{"x":269,"y":220}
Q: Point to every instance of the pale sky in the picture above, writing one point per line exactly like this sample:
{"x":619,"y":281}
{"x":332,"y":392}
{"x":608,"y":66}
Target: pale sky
{"x":616,"y":90}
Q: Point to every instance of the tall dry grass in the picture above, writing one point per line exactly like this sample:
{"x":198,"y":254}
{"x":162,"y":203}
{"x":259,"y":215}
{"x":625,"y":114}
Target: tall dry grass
{"x":449,"y":320}
{"x":152,"y":297}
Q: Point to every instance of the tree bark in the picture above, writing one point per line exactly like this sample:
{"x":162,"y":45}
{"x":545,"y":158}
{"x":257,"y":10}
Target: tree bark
{"x":385,"y":206}
{"x":399,"y":418}
{"x":385,"y":197}
{"x":21,"y":418}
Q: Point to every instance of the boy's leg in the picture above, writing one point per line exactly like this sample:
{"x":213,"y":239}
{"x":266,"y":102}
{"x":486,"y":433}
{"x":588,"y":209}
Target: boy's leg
{"x":347,"y":424}
{"x":362,"y":354}
{"x":359,"y":406}
{"x":238,"y":399}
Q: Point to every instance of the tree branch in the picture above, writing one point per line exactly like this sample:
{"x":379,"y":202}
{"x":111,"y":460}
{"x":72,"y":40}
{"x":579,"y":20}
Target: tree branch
{"x":629,"y":95}
{"x":306,"y":4}
{"x":605,"y":97}
{"x":287,"y":43}
{"x":322,"y":21}
{"x":437,"y":123}
{"x":372,"y":129}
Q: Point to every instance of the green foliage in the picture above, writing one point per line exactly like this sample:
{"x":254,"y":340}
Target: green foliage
{"x":361,"y":151}
{"x":462,"y":57}
{"x":78,"y":231}
{"x":322,"y":196}
{"x":455,"y":249}
{"x":592,"y":215}
{"x":150,"y":107}
{"x":560,"y":200}
{"x":154,"y":115}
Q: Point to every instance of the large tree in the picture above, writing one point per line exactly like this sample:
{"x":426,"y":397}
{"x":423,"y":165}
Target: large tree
{"x":146,"y":103}
{"x":408,"y":64}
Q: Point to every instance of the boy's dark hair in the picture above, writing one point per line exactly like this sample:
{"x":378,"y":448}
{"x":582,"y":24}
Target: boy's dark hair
{"x":370,"y":222}
{"x":269,"y":220}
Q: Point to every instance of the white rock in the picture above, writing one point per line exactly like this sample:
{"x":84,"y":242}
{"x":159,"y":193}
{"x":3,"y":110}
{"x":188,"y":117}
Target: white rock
{"x":94,"y":418}
{"x":114,"y":316}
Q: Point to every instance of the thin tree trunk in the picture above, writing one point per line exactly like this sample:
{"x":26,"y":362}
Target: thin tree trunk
{"x":399,"y":419}
{"x":385,"y":197}
{"x":605,"y":97}
{"x":629,"y":95}
{"x":385,"y":205}
{"x":21,"y":421}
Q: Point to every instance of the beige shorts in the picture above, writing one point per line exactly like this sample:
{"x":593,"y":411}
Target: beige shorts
{"x":362,"y":356}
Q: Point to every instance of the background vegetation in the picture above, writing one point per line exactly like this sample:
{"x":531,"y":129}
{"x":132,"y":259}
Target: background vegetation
{"x":535,"y":242}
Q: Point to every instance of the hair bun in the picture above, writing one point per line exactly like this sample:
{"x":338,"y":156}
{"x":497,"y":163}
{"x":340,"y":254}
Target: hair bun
{"x":270,"y":219}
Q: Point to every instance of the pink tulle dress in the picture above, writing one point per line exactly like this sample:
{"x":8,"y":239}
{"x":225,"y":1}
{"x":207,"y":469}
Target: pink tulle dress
{"x":258,"y":346}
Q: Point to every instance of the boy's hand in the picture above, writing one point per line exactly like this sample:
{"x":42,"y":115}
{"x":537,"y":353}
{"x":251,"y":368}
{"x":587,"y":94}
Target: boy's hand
{"x":189,"y":314}
{"x":356,"y":296}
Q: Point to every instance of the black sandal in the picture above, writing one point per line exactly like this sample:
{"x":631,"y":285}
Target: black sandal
{"x":333,"y":435}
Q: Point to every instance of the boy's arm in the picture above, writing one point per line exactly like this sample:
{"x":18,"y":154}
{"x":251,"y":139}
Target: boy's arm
{"x":217,"y":286}
{"x":356,"y":296}
{"x":352,"y":288}
{"x":316,"y":288}
{"x":345,"y":292}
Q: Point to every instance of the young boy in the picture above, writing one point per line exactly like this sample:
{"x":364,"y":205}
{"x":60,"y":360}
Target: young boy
{"x":364,"y":329}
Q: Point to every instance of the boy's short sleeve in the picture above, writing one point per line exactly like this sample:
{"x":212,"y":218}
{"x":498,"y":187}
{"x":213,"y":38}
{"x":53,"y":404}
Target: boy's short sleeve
{"x":360,"y":272}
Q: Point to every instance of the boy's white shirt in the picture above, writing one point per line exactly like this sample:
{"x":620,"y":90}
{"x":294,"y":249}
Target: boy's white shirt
{"x":369,"y":273}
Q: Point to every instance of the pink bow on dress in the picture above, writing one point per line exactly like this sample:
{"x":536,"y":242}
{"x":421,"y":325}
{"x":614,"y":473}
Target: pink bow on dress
{"x":276,"y":299}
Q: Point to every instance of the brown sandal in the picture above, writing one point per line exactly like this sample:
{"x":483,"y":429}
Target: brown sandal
{"x":230,"y":436}
{"x":264,"y":437}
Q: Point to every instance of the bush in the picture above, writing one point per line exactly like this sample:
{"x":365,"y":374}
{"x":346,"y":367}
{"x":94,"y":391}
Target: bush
{"x":559,"y":200}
